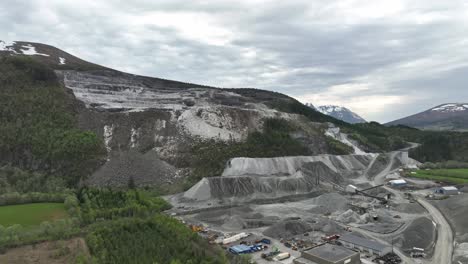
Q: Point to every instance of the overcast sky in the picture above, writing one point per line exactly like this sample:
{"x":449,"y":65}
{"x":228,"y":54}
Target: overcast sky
{"x":383,"y":59}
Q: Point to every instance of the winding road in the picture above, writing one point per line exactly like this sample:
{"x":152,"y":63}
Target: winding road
{"x":443,"y":250}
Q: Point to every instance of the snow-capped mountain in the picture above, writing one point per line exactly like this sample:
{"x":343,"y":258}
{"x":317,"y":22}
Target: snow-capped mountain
{"x":341,"y":113}
{"x":450,"y":116}
{"x":450,"y":108}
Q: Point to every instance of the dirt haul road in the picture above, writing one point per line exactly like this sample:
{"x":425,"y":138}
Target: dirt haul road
{"x":444,"y":247}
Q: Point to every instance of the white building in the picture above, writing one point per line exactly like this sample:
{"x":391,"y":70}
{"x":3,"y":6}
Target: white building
{"x":448,"y":190}
{"x":365,"y":245}
{"x":398,"y":183}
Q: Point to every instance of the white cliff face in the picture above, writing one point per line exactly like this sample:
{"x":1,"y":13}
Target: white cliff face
{"x":335,"y":133}
{"x":198,"y":112}
{"x":206,"y":123}
{"x":111,"y":93}
{"x":134,"y":134}
{"x":108,"y":132}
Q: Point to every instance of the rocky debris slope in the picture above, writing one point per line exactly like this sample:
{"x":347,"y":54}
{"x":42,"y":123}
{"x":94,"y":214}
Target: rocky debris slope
{"x":335,"y":133}
{"x":258,"y":178}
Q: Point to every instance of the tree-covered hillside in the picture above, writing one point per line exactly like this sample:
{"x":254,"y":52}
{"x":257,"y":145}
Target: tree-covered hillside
{"x":38,"y":124}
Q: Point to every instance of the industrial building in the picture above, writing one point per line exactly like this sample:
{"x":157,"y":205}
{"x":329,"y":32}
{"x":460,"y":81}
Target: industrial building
{"x":329,"y":254}
{"x":364,"y":245}
{"x":240,"y":249}
{"x":398,"y":183}
{"x":448,"y":190}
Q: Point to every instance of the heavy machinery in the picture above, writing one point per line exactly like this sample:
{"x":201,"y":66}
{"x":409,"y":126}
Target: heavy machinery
{"x":196,"y":228}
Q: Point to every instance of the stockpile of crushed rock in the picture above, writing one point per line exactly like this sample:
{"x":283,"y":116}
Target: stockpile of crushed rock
{"x":328,"y":203}
{"x":352,"y":217}
{"x":288,"y":228}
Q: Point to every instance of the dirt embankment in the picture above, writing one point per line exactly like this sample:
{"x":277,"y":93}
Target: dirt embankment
{"x":55,"y":252}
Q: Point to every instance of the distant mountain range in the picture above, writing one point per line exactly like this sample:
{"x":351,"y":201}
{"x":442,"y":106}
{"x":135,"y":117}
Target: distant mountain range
{"x":339,"y":112}
{"x":450,"y":116}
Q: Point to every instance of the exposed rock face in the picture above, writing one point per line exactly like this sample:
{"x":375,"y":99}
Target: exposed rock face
{"x":156,"y":121}
{"x":335,"y":133}
{"x":148,"y":125}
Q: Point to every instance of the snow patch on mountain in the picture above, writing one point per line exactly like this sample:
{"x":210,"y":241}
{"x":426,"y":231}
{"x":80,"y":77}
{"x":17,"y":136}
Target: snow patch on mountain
{"x":446,"y":108}
{"x":328,"y":109}
{"x":7,"y":46}
{"x":31,"y":50}
{"x":341,"y":113}
{"x":62,"y":61}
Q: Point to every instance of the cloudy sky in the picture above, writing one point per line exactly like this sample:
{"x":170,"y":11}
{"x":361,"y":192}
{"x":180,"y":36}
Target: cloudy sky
{"x":383,"y":59}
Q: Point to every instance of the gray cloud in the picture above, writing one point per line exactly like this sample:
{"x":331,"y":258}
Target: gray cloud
{"x":384,"y":60}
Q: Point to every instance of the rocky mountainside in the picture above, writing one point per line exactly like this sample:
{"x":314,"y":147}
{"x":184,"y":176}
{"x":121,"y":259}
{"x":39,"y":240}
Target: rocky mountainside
{"x":153,"y":130}
{"x":450,"y":116}
{"x":341,"y":113}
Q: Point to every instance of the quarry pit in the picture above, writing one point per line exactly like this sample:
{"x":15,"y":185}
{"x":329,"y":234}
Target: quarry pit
{"x":298,"y":203}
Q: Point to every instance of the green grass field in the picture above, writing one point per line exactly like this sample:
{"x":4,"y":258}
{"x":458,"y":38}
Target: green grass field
{"x":455,"y":176}
{"x":31,"y":214}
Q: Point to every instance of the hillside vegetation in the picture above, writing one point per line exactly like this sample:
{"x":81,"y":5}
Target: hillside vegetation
{"x":119,"y":227}
{"x":38,"y":124}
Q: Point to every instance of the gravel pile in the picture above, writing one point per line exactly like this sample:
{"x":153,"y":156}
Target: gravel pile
{"x":456,"y":212}
{"x":421,"y":233}
{"x":286,"y":229}
{"x":351,"y":217}
{"x":329,"y":202}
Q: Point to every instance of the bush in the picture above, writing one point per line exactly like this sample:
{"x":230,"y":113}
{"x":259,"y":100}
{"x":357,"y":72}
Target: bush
{"x":34,"y":197}
{"x":107,"y":204}
{"x":143,"y":241}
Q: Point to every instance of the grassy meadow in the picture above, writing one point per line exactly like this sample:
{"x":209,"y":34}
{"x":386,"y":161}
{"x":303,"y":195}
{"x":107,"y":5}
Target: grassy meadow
{"x":454,"y":176}
{"x":31,"y":214}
